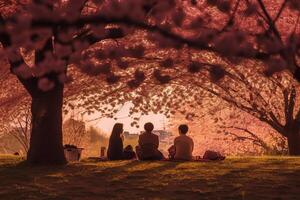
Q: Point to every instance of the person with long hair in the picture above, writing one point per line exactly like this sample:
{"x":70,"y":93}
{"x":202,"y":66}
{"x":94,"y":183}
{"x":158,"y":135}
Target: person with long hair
{"x":115,"y":146}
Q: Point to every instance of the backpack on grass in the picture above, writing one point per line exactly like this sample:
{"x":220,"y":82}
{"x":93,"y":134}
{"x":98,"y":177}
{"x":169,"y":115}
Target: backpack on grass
{"x":213,"y":155}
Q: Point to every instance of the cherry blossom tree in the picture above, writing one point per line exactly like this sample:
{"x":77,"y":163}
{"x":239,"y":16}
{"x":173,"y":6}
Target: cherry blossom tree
{"x":137,"y":44}
{"x":244,"y":129}
{"x":271,"y":100}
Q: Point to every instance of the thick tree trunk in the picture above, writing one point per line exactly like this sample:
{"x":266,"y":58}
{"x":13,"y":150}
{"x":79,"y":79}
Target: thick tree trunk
{"x":46,"y":136}
{"x":294,"y":142}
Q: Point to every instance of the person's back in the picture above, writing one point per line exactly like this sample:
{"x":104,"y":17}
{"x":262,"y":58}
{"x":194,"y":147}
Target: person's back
{"x":148,"y":145}
{"x":115,"y":149}
{"x":183,"y":144}
{"x":115,"y":146}
{"x":184,"y":147}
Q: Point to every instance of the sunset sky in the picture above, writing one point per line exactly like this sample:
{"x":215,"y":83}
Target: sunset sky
{"x":106,"y":124}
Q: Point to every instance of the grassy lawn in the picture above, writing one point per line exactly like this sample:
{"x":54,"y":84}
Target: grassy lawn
{"x":235,"y":178}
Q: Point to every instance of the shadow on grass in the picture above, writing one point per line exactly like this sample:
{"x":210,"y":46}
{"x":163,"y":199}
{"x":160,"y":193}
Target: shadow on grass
{"x":246,"y":178}
{"x":261,"y":179}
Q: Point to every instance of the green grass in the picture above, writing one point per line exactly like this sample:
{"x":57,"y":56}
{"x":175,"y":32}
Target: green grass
{"x":235,"y":178}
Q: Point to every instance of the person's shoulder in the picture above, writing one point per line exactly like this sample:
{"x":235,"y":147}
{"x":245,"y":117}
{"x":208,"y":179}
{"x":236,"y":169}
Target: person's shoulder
{"x":153,"y":134}
{"x":178,"y":137}
{"x":191,"y":139}
{"x":142,"y":134}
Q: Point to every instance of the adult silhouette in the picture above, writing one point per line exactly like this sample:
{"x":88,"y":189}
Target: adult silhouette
{"x":183,"y":145}
{"x":147,"y":148}
{"x":115,"y":146}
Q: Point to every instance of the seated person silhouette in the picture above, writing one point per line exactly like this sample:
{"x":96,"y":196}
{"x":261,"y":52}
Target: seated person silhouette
{"x":115,"y":146}
{"x":128,"y":153}
{"x":147,"y":148}
{"x":183,"y":145}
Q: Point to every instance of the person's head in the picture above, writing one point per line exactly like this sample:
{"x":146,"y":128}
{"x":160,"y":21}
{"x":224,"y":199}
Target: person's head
{"x":183,"y":129}
{"x":128,"y":148}
{"x":148,"y":127}
{"x":117,"y":130}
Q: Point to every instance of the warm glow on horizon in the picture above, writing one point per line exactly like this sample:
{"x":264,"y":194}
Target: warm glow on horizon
{"x":106,"y":124}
